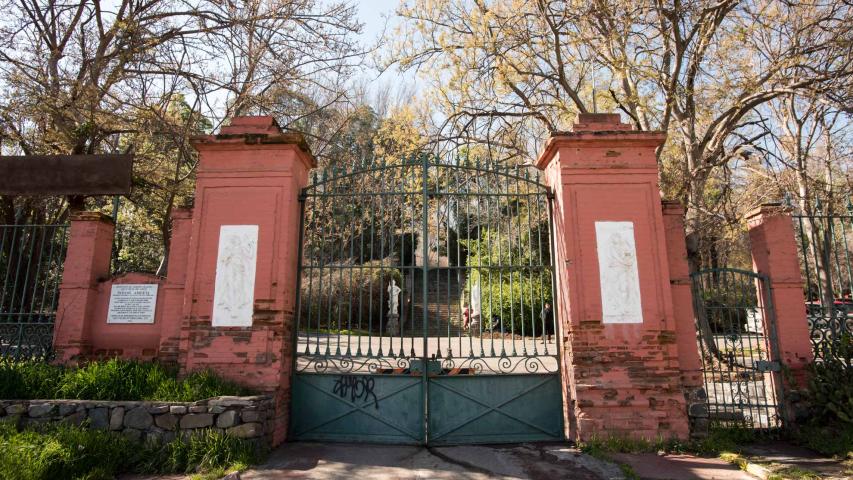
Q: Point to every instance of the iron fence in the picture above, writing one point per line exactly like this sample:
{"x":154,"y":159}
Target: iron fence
{"x":824,"y":243}
{"x":426,"y":260}
{"x":737,"y":345}
{"x":31,"y":261}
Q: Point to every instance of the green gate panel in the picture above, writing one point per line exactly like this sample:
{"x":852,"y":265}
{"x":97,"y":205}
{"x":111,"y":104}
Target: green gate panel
{"x":358,"y":408}
{"x":495,"y":409}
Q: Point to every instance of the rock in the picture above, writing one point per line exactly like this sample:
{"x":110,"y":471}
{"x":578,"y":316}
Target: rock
{"x":132,"y":433}
{"x":198,"y":409}
{"x":231,"y":476}
{"x":36,"y":421}
{"x":2,"y":411}
{"x":196,"y":420}
{"x":246,"y":430}
{"x":37,"y":410}
{"x":99,"y":418}
{"x":178,"y":409}
{"x":75,"y":418}
{"x":698,"y":410}
{"x":232,"y":401}
{"x":226,"y":419}
{"x":168,"y":437}
{"x":16,"y":409}
{"x":251,"y":416}
{"x":216,"y":409}
{"x":117,"y":418}
{"x":138,"y":418}
{"x":67,"y":408}
{"x":157,"y":410}
{"x":167,"y":421}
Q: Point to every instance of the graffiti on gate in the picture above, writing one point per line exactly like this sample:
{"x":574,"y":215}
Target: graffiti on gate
{"x":356,"y":387}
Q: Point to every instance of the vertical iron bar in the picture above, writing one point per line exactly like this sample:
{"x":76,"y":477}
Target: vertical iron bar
{"x":425,"y":293}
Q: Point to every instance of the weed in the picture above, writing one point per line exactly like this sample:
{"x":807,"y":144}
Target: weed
{"x":64,"y":451}
{"x":110,"y":380}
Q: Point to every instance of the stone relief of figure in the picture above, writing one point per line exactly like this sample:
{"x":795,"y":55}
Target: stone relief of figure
{"x":621,"y":261}
{"x":236,"y":265}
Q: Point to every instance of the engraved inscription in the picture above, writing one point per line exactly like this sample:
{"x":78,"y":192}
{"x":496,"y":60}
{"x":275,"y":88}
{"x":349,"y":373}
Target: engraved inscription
{"x":132,"y":303}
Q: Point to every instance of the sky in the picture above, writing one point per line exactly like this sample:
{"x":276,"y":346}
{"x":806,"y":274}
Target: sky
{"x":378,"y":18}
{"x":371,"y":13}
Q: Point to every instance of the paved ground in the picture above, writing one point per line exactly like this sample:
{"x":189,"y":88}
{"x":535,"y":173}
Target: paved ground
{"x":526,"y":461}
{"x":776,"y":456}
{"x":380,"y":462}
{"x":649,"y":466}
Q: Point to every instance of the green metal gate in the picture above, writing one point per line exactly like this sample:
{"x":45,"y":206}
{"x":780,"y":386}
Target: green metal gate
{"x":31,"y":260}
{"x":825,"y":241}
{"x":737,"y":336}
{"x":424,"y":308}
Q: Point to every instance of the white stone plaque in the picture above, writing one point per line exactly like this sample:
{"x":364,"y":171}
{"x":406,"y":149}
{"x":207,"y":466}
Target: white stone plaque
{"x":132,"y":303}
{"x":234,"y":292}
{"x":618,"y":273}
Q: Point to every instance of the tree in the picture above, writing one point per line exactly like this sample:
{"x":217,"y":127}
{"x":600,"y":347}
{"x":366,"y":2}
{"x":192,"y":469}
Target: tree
{"x":508,"y":72}
{"x":139,"y":76}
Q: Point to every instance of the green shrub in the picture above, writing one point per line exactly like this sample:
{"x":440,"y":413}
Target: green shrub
{"x":65,"y":451}
{"x":351,"y":296}
{"x":110,"y":380}
{"x":831,"y":383}
{"x":26,"y":380}
{"x":514,"y":295}
{"x":833,"y":440}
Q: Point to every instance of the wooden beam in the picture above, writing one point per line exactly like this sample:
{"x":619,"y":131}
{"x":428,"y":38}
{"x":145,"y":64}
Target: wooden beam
{"x":65,"y":174}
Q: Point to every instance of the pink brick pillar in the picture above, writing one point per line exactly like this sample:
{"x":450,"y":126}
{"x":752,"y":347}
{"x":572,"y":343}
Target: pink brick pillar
{"x":249,"y":174}
{"x":685,"y":322}
{"x":87,"y":262}
{"x":621,"y":378}
{"x":173,"y":289}
{"x":774,"y":254}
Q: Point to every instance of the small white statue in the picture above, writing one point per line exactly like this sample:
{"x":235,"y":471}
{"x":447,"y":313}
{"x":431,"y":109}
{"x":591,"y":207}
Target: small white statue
{"x":393,"y":297}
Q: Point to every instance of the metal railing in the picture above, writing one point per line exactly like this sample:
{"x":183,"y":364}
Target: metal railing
{"x":825,"y":239}
{"x":426,"y":261}
{"x":31,"y":261}
{"x":737,"y":339}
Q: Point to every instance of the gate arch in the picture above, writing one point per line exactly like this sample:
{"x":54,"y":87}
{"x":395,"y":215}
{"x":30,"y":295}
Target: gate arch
{"x":421,"y":308}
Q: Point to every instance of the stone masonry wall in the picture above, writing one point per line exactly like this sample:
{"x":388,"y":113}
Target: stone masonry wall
{"x":241,"y":417}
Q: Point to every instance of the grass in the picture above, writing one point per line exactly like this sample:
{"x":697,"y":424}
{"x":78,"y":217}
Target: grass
{"x":110,"y":380}
{"x":65,"y":451}
{"x":719,"y":440}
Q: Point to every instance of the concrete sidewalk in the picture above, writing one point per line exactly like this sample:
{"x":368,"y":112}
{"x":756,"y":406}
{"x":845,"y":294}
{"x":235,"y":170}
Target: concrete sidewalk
{"x":519,"y":461}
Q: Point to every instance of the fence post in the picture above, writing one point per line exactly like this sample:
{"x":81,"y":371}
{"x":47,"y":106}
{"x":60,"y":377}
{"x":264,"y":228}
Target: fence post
{"x":245,"y":232}
{"x":685,"y":322}
{"x":774,"y":254}
{"x":614,"y":301}
{"x":87,"y":261}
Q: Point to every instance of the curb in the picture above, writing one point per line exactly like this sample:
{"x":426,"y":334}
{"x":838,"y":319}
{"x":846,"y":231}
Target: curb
{"x":757,"y":470}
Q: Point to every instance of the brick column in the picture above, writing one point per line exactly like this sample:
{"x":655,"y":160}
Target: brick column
{"x":87,"y":261}
{"x":176,"y":277}
{"x":685,"y":323}
{"x":622,"y":370}
{"x":250,"y":174}
{"x":774,"y":254}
